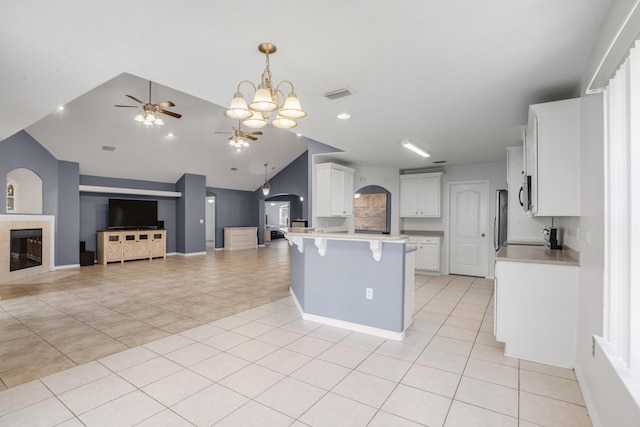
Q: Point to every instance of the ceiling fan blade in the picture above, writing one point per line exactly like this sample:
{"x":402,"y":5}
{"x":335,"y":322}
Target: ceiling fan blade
{"x":254,"y":133}
{"x":127,"y":106}
{"x":134,"y":98}
{"x":253,"y":138}
{"x":227,"y":133}
{"x":170,"y":113}
{"x":165,"y":104}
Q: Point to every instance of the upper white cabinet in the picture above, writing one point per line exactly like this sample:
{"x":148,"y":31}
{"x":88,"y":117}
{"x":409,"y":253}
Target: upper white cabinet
{"x":552,"y":157}
{"x":420,"y":194}
{"x":334,"y":190}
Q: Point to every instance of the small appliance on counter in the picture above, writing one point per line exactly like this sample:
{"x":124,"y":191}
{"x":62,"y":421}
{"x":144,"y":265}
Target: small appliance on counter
{"x":552,"y":237}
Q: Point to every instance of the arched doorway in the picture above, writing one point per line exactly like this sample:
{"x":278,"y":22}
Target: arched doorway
{"x":372,"y":210}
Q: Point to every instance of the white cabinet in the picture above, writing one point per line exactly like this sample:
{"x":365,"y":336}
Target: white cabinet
{"x":536,"y":311}
{"x":552,"y":157}
{"x":427,"y":255}
{"x":420,"y":195}
{"x":240,"y":238}
{"x":334,"y":190}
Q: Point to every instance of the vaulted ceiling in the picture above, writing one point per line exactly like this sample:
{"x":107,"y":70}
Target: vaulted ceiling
{"x":454,"y":76}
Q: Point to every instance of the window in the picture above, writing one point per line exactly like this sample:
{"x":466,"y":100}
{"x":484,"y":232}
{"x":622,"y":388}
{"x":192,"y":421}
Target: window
{"x":621,"y":327}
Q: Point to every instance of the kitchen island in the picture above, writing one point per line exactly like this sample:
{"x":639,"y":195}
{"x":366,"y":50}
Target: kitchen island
{"x":361,"y":282}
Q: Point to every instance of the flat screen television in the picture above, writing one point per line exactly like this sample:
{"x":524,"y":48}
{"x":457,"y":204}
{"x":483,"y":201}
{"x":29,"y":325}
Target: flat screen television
{"x":131,"y":214}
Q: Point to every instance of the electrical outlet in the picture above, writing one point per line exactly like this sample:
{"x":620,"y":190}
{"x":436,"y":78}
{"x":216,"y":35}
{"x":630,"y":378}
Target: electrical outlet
{"x":369,"y":294}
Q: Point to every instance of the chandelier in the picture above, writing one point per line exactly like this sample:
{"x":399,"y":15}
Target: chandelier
{"x":266,"y":100}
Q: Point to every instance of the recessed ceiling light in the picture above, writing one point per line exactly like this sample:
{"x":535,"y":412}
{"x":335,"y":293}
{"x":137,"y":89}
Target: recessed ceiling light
{"x":298,"y":134}
{"x":407,"y":144}
{"x":234,"y":169}
{"x":170,"y":134}
{"x":61,"y":107}
{"x":344,"y":116}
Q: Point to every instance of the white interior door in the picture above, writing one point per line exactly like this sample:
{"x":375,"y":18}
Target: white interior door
{"x":468,"y":228}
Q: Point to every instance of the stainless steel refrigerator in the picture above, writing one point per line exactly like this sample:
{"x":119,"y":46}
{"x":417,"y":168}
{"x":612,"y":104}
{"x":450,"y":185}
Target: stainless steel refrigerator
{"x":500,"y":220}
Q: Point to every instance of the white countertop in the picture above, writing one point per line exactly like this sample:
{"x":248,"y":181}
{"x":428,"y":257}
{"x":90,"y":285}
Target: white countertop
{"x":535,"y":254}
{"x":349,"y":236}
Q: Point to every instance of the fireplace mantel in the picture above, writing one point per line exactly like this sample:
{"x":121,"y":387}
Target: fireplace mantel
{"x":16,"y":222}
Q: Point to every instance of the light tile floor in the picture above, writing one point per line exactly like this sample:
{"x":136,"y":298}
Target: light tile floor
{"x":265,"y":366}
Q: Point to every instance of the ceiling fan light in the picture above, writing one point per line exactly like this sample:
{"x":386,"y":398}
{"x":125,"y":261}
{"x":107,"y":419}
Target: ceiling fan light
{"x":256,"y":121}
{"x":238,"y":109}
{"x":139,"y":117}
{"x":158,"y":121}
{"x":262,"y":101}
{"x":291,"y":108}
{"x":284,"y":122}
{"x":147,"y":122}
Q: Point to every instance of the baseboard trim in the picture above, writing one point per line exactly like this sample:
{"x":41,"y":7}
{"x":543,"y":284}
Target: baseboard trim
{"x":355,"y":327}
{"x":588,"y":401}
{"x":191,"y":253}
{"x":65,"y":267}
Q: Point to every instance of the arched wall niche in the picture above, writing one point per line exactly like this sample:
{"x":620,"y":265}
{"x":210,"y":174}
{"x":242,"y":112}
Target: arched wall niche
{"x":27,"y":192}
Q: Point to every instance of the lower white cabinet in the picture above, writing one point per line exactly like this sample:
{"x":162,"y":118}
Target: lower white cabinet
{"x":536,"y":311}
{"x":427,"y":255}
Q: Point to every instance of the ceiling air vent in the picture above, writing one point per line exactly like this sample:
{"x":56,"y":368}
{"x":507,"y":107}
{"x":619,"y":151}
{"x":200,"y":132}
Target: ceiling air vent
{"x":439,"y":162}
{"x":108,"y":148}
{"x":338,"y":93}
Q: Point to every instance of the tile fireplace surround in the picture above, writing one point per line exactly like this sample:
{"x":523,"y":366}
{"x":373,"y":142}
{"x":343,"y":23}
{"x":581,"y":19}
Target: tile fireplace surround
{"x":16,"y":222}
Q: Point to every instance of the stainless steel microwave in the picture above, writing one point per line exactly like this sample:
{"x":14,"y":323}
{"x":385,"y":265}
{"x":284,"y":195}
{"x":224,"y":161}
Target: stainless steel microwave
{"x":525,"y":193}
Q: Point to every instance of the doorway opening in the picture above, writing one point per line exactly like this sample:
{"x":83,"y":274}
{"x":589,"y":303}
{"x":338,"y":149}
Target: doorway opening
{"x":276,"y":216}
{"x":372,"y":210}
{"x":210,"y":222}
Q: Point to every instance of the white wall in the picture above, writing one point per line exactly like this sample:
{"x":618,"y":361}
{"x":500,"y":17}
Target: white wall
{"x":607,"y":399}
{"x":496,"y":173}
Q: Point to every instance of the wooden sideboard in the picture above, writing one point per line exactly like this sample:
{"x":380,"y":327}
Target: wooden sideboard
{"x":240,"y":238}
{"x":123,"y":245}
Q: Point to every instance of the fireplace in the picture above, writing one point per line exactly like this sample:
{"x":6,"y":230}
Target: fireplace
{"x":14,"y":266}
{"x":26,"y":248}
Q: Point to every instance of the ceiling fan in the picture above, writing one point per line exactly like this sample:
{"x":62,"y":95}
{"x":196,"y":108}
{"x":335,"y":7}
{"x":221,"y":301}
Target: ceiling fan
{"x":238,"y":138}
{"x":148,"y":112}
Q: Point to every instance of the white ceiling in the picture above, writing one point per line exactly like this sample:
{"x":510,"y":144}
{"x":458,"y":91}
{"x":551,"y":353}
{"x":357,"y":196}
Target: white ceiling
{"x":454,"y":76}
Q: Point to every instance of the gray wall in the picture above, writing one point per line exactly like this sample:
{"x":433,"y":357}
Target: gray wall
{"x":59,"y":182}
{"x":335,"y":284}
{"x":22,"y":151}
{"x":68,"y":217}
{"x":234,"y":208}
{"x":190,"y":214}
{"x":94,"y":207}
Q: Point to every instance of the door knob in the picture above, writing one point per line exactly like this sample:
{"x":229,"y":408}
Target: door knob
{"x":482,"y":234}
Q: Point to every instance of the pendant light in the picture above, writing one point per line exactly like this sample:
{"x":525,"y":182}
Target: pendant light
{"x":266,"y":187}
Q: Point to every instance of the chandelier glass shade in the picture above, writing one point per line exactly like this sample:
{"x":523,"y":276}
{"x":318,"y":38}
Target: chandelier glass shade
{"x":148,"y":117}
{"x":266,"y":99}
{"x":265,"y":187}
{"x":238,"y":143}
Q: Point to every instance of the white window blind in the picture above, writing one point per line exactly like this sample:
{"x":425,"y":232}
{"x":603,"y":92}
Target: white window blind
{"x":622,"y":216}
